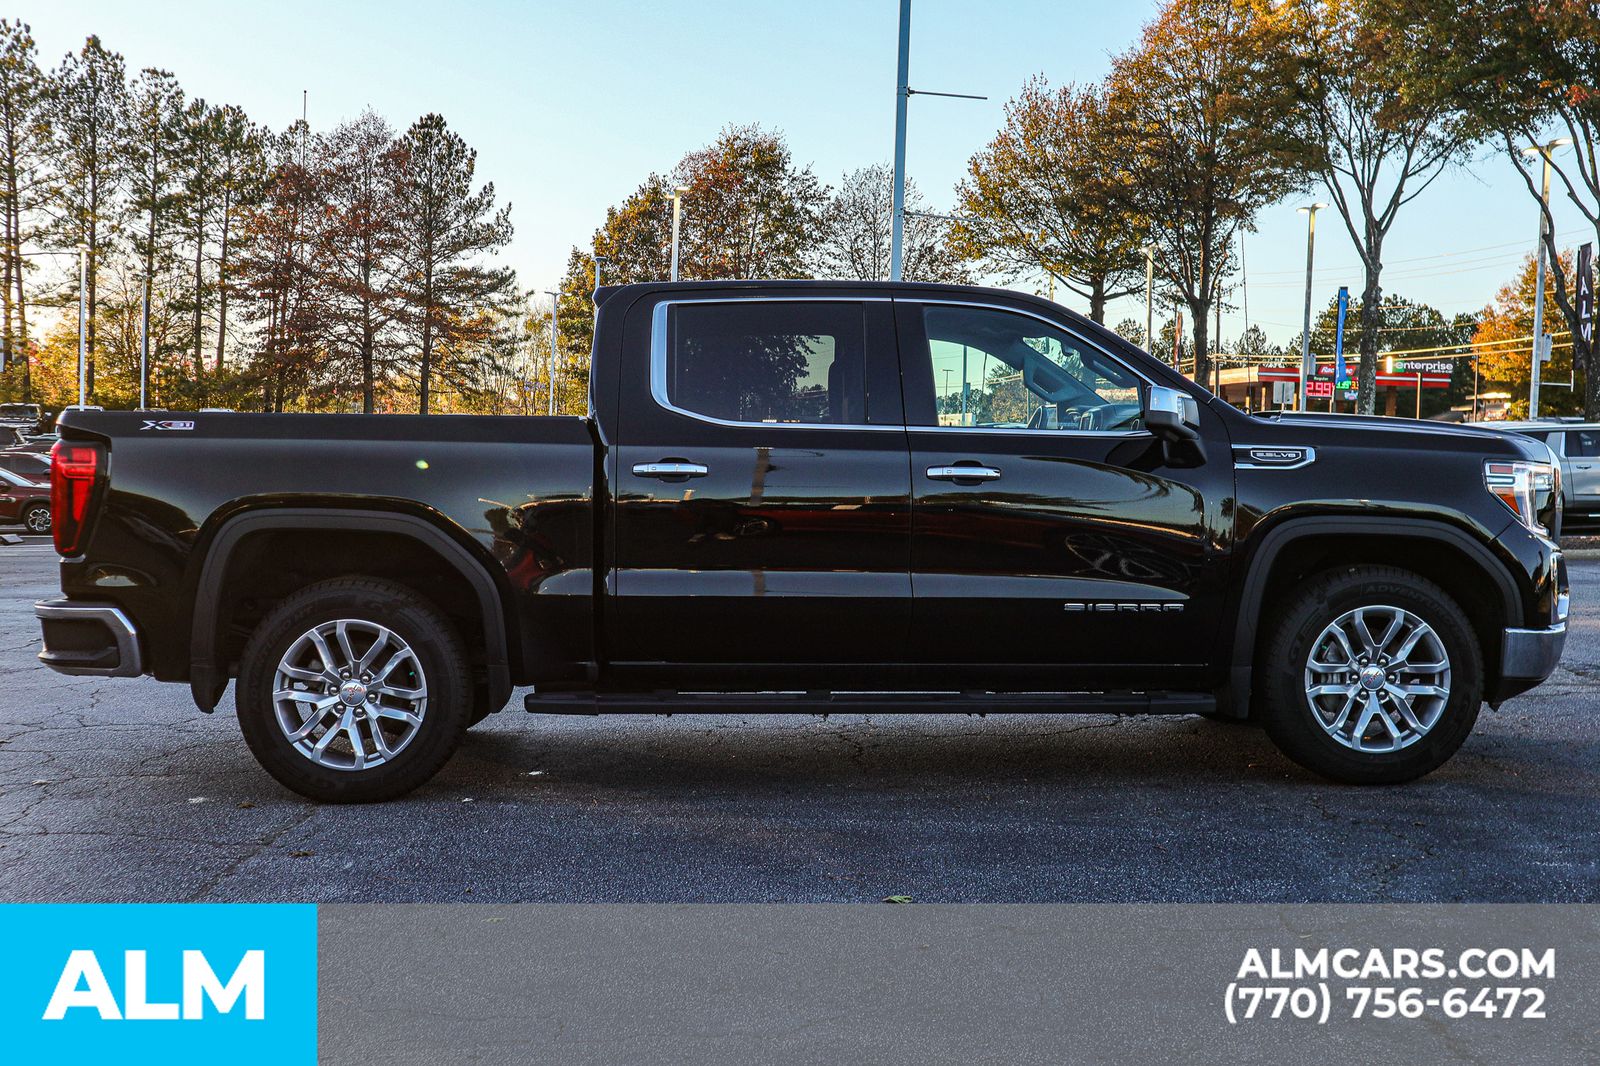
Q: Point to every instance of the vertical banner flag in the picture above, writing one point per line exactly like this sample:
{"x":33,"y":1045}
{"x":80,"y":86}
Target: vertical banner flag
{"x":1585,"y":294}
{"x":1340,"y":374}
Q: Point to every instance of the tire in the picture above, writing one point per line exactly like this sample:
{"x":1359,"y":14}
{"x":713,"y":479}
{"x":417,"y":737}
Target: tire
{"x":382,"y":621}
{"x":37,"y":518}
{"x":1442,"y":703}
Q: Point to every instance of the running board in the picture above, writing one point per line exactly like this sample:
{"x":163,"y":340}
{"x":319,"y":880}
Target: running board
{"x":870,"y":702}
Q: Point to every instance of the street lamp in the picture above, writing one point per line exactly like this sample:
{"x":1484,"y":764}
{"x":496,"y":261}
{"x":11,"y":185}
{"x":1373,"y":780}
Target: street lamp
{"x":1542,"y":151}
{"x":555,"y":300}
{"x":1310,"y":211}
{"x":677,"y":209}
{"x":903,"y":93}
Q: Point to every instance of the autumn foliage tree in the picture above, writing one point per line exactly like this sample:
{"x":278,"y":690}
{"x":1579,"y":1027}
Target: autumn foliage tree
{"x":1374,"y":146}
{"x":1505,"y":357}
{"x":1050,"y":193}
{"x":1527,"y":72}
{"x":748,"y":212}
{"x":1201,"y":113}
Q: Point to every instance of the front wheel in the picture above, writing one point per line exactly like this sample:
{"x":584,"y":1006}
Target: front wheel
{"x":1370,"y":675}
{"x":354,"y":690}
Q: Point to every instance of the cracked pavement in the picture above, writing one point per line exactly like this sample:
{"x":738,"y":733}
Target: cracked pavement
{"x":120,"y":790}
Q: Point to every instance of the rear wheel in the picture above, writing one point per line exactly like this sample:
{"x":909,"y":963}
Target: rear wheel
{"x":1371,"y":675}
{"x":36,"y":519}
{"x":354,"y":690}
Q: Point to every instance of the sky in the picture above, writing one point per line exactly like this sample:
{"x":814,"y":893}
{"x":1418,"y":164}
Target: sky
{"x":571,"y":105}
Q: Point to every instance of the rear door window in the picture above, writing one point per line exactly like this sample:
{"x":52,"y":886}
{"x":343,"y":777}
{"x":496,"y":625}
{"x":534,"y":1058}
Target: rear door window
{"x":767,"y":361}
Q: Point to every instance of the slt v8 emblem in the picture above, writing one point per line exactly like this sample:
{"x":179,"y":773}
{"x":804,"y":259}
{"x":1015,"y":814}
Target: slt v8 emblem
{"x":1249,"y":458}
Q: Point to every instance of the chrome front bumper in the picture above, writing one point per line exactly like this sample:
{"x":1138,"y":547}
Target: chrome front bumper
{"x":94,"y":639}
{"x":1531,"y":654}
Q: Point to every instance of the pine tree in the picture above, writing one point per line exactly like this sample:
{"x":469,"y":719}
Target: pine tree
{"x":360,"y":249}
{"x":449,"y":228}
{"x":23,"y":137}
{"x":88,"y":119}
{"x":155,"y":141}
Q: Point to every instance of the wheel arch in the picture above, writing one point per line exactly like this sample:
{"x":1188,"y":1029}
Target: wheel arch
{"x":208,"y":668}
{"x":1430,"y":548}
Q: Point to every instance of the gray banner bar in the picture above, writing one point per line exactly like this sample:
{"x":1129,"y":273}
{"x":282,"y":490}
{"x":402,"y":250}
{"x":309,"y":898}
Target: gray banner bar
{"x":705,"y":984}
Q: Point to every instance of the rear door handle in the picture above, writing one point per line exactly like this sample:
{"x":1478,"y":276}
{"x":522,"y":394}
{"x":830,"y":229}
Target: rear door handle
{"x":675,"y":468}
{"x":963,"y":473}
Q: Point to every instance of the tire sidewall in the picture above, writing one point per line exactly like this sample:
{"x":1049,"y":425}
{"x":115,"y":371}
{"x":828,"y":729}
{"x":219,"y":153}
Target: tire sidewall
{"x":1287,"y":714}
{"x":443,"y":663}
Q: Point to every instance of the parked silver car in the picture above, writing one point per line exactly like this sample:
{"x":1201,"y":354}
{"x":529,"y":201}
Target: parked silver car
{"x":1577,"y":446}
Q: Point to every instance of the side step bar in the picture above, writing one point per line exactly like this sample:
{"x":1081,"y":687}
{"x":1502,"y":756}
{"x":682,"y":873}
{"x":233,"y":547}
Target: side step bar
{"x":870,"y":702}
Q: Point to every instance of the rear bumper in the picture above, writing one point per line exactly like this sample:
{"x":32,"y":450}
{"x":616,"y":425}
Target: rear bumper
{"x":94,"y":639}
{"x":1527,"y":658}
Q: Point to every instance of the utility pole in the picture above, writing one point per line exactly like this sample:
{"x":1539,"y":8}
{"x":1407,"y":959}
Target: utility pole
{"x":555,"y":300}
{"x":1543,"y":151}
{"x":902,"y":94}
{"x":1306,"y":368}
{"x":677,"y":210}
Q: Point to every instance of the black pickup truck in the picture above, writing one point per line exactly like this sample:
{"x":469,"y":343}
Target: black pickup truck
{"x":819,"y":497}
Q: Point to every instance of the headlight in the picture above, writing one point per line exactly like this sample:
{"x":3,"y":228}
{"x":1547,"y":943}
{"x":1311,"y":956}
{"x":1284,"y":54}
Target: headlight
{"x":1529,"y":489}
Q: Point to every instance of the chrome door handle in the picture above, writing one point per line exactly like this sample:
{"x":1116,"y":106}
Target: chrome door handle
{"x":963,"y":473}
{"x":671,"y":469}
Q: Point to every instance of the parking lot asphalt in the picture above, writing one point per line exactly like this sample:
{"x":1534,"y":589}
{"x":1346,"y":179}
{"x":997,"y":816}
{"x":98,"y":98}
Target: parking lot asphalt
{"x":121,"y":790}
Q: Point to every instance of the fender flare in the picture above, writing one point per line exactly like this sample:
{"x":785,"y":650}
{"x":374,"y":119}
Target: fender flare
{"x":208,"y":678}
{"x":1253,"y":588}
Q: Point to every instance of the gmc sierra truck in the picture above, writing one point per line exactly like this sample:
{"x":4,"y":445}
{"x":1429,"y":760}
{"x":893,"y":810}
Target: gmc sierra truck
{"x":818,"y":497}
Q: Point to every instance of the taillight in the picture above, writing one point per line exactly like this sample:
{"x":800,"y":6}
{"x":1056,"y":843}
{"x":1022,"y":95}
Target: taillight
{"x":73,"y":469}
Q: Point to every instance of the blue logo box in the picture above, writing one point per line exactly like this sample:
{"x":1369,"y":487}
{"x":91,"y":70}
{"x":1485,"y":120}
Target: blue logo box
{"x":171,"y":983}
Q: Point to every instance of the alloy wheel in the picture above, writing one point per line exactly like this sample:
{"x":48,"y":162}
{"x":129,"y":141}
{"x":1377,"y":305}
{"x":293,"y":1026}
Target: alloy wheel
{"x":1377,"y":679}
{"x":350,"y":694}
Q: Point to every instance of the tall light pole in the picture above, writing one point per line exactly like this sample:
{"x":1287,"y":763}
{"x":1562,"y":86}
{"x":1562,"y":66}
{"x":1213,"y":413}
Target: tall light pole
{"x":677,"y":211}
{"x":1149,"y":296}
{"x":902,"y":95}
{"x":83,"y":321}
{"x":903,"y":92}
{"x":1306,"y":369}
{"x":555,"y":300}
{"x":1543,"y":151}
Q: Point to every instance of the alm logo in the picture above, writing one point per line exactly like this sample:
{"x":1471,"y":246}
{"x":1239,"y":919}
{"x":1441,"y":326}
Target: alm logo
{"x":83,"y":985}
{"x":159,"y":982}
